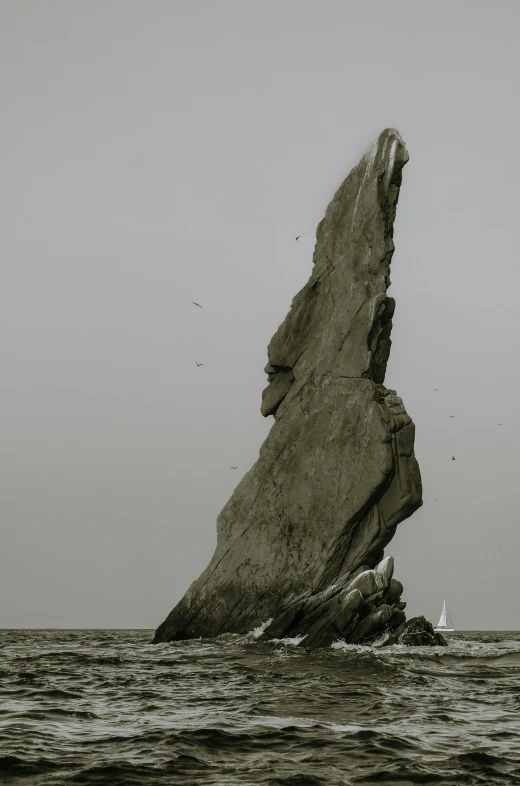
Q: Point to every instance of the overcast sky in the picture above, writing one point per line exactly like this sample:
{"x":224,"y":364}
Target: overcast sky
{"x":158,"y":152}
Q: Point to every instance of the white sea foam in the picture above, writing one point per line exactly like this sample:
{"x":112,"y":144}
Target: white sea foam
{"x":291,"y":642}
{"x":257,"y":632}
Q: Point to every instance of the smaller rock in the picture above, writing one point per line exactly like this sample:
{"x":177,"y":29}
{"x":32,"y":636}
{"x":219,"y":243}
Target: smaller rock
{"x":416,"y":632}
{"x":384,"y":572}
{"x":395,"y":590}
{"x":372,"y":625}
{"x":376,"y":580}
{"x":365,"y":583}
{"x":351,"y":602}
{"x":376,"y":599}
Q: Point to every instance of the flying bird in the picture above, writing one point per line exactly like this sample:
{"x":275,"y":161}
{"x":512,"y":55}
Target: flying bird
{"x":234,"y":467}
{"x":196,"y":304}
{"x":296,"y":238}
{"x":452,"y":416}
{"x":199,"y":364}
{"x":500,"y":424}
{"x":434,"y":389}
{"x":453,"y":458}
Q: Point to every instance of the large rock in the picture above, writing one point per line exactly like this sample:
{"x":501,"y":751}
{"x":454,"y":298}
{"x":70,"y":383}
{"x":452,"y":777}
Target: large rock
{"x":337,"y":471}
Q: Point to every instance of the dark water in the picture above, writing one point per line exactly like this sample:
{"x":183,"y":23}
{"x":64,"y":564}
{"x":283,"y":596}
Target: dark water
{"x":107,"y":707}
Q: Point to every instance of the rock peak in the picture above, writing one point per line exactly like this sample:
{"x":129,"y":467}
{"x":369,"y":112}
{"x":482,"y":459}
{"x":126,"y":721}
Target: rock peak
{"x":339,"y":323}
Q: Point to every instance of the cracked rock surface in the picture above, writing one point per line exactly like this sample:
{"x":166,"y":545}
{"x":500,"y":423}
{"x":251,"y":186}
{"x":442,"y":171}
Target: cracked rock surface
{"x":301,"y":541}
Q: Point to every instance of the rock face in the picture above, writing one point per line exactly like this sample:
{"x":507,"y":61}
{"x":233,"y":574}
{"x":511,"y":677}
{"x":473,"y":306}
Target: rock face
{"x":301,"y":541}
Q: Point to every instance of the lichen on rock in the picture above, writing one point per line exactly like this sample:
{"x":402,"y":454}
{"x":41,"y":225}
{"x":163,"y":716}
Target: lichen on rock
{"x":302,"y":539}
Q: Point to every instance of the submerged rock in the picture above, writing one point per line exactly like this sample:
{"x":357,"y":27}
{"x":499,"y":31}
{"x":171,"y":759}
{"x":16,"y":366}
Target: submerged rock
{"x":302,"y":539}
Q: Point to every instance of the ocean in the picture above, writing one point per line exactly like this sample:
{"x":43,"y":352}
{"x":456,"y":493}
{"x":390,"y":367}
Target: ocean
{"x":108,"y":707}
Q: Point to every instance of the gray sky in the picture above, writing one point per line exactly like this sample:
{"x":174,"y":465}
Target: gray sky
{"x":154,"y":153}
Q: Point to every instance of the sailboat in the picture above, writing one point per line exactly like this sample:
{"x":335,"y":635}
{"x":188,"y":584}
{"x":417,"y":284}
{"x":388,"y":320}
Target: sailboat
{"x":442,"y":626}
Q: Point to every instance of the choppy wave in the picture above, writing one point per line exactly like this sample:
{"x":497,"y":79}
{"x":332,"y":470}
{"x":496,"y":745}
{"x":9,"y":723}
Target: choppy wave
{"x":107,"y":707}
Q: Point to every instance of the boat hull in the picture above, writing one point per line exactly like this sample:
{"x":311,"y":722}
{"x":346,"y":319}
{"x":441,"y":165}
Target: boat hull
{"x":444,"y":630}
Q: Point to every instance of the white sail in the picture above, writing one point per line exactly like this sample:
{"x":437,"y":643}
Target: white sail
{"x":442,"y":621}
{"x":445,"y":624}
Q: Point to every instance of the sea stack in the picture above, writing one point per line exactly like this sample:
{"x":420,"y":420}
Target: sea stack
{"x":301,"y":541}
